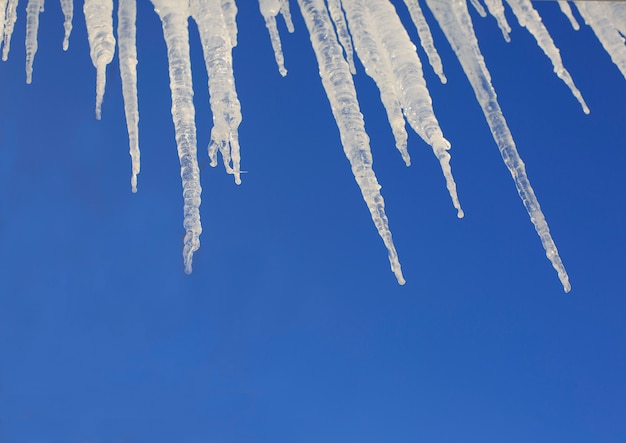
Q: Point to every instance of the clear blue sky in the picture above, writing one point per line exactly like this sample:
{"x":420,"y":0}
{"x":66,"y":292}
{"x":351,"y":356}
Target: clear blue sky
{"x":292,"y":327}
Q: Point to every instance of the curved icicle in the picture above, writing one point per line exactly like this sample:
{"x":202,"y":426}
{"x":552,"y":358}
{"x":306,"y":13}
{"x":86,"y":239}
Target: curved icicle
{"x":455,"y":21}
{"x":9,"y":24}
{"x":67,"y":6}
{"x":99,"y":20}
{"x":127,"y":41}
{"x":426,"y":38}
{"x":530,"y":19}
{"x":225,"y":106}
{"x":174,"y":15}
{"x":339,"y":87}
{"x":33,"y":9}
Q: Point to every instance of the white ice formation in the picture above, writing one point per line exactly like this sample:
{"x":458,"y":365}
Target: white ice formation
{"x":339,"y":30}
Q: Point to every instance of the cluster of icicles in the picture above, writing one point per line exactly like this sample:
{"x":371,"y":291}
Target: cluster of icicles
{"x":339,"y":29}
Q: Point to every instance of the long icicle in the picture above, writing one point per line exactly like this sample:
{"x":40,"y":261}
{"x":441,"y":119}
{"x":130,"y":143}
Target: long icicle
{"x":341,"y":93}
{"x":174,"y":16}
{"x":455,"y":21}
{"x":127,"y":41}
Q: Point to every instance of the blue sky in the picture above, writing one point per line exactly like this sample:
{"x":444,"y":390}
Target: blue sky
{"x":292,"y":327}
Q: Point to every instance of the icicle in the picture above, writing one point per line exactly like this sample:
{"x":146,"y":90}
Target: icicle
{"x":455,"y":21}
{"x":127,"y":41}
{"x":339,"y":86}
{"x":496,"y":9}
{"x":229,"y":9}
{"x":67,"y":6}
{"x":174,"y":15}
{"x":567,"y":10}
{"x":9,"y":25}
{"x":99,"y":20}
{"x":336,"y":14}
{"x":530,"y":19}
{"x":269,"y":10}
{"x":599,"y":16}
{"x":409,"y":80}
{"x":286,"y":13}
{"x":3,"y":11}
{"x":33,"y":9}
{"x":378,"y":66}
{"x":478,"y":7}
{"x":225,"y":106}
{"x":426,"y":38}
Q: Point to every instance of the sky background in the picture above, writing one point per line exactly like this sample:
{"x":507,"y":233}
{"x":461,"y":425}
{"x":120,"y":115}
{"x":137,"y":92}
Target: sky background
{"x":292,"y":327}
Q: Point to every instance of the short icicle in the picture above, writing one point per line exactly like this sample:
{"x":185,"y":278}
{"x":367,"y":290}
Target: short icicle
{"x":67,"y":6}
{"x":269,"y":10}
{"x":99,"y":20}
{"x":9,"y":24}
{"x":33,"y":9}
{"x":225,"y":107}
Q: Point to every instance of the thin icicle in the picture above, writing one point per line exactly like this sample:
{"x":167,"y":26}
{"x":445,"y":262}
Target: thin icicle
{"x":99,"y":20}
{"x":426,"y":38}
{"x":269,"y":10}
{"x":3,"y":11}
{"x":9,"y":25}
{"x":339,"y":86}
{"x":174,"y":15}
{"x":529,"y":18}
{"x":378,"y":66}
{"x":225,"y":105}
{"x":67,"y":6}
{"x":286,"y":13}
{"x":496,"y":9}
{"x":33,"y":9}
{"x":567,"y":10}
{"x":127,"y":41}
{"x":409,"y":80}
{"x":339,"y":19}
{"x":598,"y":15}
{"x":478,"y":7}
{"x":456,"y":23}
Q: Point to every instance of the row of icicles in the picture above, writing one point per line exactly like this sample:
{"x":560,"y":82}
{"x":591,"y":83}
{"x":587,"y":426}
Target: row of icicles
{"x":340,"y":30}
